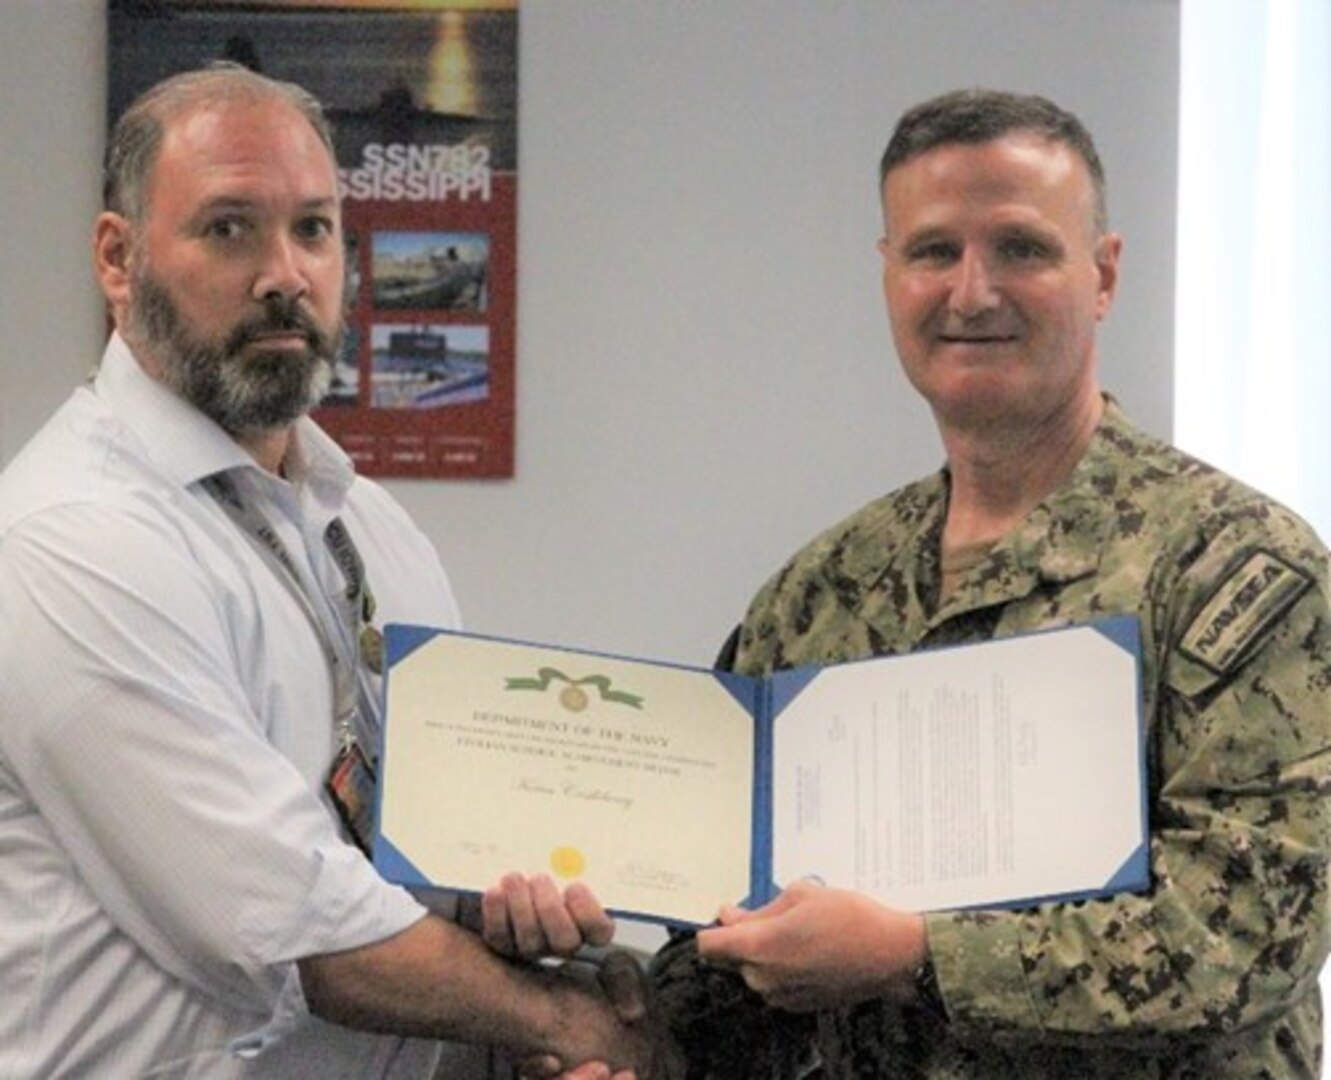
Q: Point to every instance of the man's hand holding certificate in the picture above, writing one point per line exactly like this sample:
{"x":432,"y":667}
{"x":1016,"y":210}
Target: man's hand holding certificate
{"x":984,"y":775}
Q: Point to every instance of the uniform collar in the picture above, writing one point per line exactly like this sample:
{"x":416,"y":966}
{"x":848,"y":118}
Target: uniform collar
{"x":1062,"y":539}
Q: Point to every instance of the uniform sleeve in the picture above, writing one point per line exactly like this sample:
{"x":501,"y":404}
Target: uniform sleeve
{"x":125,"y":724}
{"x":1235,"y":925}
{"x":723,"y":1027}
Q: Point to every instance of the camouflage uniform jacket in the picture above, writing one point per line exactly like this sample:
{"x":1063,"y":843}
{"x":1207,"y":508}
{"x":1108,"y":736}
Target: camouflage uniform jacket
{"x":1213,"y":973}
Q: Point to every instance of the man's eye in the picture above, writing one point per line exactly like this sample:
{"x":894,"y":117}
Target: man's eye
{"x":226,"y":228}
{"x":315,"y":228}
{"x":938,"y":252}
{"x":1023,"y":248}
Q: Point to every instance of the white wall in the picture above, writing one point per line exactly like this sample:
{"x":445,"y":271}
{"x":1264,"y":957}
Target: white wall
{"x":705,"y":375}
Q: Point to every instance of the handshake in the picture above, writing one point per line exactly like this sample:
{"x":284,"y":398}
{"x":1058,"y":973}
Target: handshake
{"x":812,"y":948}
{"x":567,"y":935}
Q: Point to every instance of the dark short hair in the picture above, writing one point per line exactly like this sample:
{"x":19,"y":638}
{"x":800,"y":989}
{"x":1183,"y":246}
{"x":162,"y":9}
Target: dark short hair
{"x":132,"y":149}
{"x":980,"y":116}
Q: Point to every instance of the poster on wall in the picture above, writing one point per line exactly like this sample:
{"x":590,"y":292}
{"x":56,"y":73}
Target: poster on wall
{"x":423,"y":99}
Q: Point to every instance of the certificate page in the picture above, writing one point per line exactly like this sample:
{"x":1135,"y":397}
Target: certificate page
{"x":632,"y":776}
{"x":973,"y":776}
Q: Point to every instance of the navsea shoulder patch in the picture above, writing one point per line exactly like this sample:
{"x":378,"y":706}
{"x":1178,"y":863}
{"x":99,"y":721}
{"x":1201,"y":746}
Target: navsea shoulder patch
{"x":1245,"y":606}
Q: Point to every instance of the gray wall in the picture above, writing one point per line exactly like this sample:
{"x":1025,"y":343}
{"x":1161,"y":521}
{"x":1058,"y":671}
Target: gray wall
{"x":705,"y":374}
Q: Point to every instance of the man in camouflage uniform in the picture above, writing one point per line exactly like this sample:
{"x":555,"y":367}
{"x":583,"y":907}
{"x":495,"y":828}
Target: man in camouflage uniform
{"x":1052,"y":509}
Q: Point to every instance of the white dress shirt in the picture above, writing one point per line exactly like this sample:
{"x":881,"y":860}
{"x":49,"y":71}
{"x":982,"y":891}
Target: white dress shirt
{"x":167,"y":851}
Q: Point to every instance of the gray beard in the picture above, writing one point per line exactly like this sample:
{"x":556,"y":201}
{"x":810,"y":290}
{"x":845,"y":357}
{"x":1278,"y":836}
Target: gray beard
{"x":261,"y":391}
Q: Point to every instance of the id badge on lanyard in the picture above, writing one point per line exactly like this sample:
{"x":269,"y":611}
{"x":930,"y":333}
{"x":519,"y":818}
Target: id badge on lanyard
{"x":350,"y":785}
{"x":351,"y":779}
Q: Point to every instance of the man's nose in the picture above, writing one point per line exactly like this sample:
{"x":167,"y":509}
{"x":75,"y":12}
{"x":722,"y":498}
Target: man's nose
{"x":973,"y":289}
{"x":282,"y":271}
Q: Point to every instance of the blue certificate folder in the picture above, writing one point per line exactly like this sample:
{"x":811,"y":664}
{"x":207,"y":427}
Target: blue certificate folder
{"x":999,"y":774}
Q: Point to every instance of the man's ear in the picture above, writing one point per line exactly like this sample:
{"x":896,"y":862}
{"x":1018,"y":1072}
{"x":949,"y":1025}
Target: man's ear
{"x":112,"y":256}
{"x":1108,"y":252}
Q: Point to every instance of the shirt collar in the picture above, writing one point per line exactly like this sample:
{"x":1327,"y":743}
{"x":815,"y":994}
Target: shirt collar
{"x":188,"y":446}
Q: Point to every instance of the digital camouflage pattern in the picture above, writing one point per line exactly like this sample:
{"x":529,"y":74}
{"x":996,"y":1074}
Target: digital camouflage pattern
{"x":1213,"y":973}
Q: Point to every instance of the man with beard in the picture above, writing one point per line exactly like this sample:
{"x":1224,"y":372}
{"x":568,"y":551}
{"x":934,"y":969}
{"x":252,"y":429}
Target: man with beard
{"x":192,"y":582}
{"x":1052,"y":509}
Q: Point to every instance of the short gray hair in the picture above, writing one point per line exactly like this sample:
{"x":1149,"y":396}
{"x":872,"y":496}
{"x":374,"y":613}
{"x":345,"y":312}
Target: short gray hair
{"x":980,"y":116}
{"x":132,"y":149}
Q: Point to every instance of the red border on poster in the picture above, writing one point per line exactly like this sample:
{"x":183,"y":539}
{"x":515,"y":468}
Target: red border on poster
{"x":423,"y":101}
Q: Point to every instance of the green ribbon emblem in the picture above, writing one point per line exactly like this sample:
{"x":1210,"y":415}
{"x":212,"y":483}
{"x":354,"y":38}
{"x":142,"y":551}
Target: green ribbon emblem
{"x":546,"y":675}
